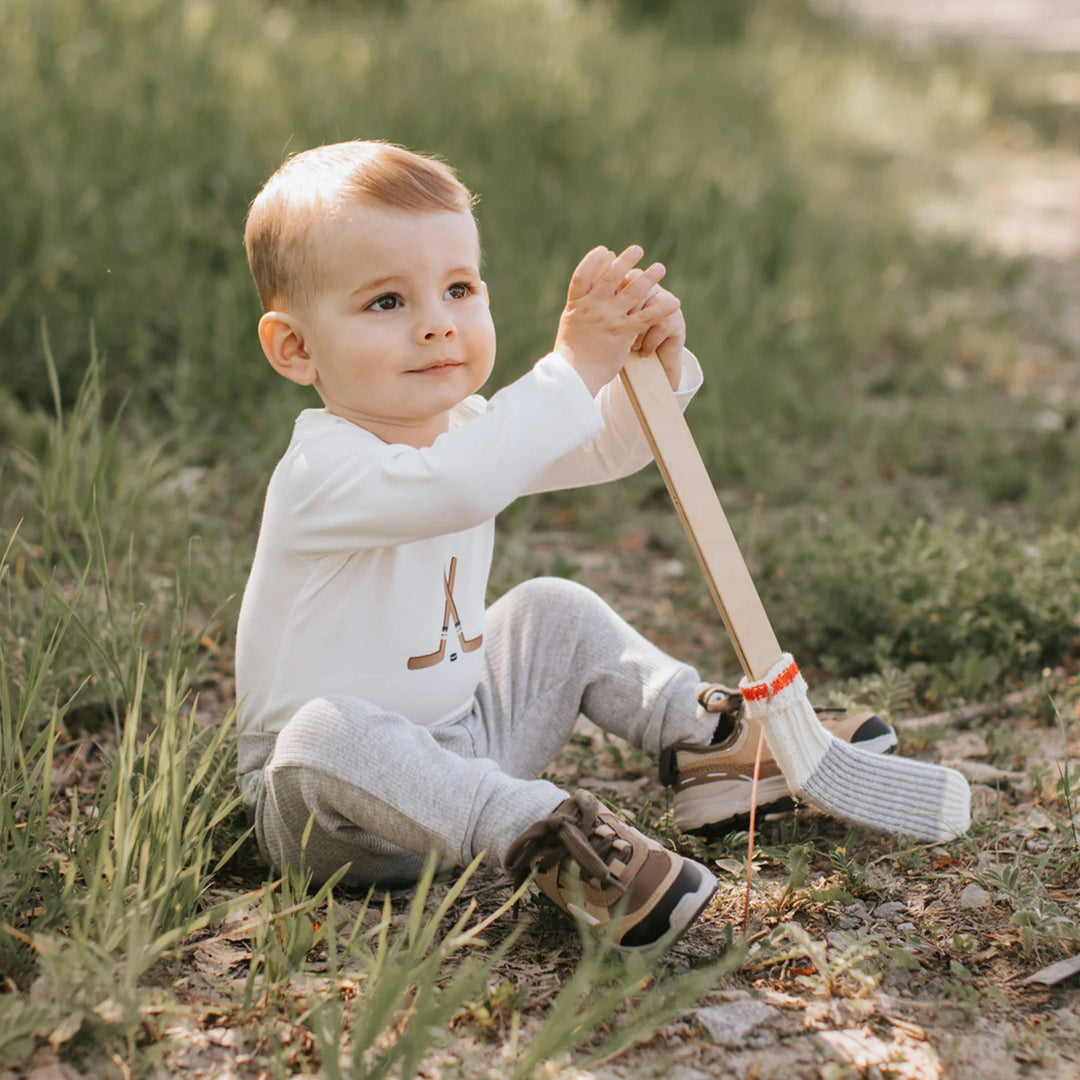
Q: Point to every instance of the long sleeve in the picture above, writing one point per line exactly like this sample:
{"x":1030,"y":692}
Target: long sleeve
{"x":342,"y":489}
{"x":620,"y":448}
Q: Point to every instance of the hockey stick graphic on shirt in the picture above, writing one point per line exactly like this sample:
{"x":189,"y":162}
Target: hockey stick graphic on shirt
{"x":894,"y":794}
{"x":450,"y":611}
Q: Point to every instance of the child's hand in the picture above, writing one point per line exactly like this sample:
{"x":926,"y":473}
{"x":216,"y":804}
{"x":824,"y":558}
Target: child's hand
{"x":608,"y":309}
{"x":666,"y":337}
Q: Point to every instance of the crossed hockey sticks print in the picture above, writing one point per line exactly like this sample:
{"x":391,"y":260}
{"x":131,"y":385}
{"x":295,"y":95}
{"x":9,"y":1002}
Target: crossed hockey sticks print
{"x":450,"y":611}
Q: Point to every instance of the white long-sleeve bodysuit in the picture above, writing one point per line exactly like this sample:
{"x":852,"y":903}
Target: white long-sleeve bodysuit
{"x":371,"y":569}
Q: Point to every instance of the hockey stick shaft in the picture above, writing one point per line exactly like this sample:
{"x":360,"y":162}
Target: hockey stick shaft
{"x":702,"y":516}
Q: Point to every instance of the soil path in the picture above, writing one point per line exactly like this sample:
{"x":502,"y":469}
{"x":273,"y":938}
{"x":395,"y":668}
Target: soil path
{"x":1028,"y":197}
{"x":1008,"y":192}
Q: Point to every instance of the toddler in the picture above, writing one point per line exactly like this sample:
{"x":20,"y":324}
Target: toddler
{"x":385,"y":714}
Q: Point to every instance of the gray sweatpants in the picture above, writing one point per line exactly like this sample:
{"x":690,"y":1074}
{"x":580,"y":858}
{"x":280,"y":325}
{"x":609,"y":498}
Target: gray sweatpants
{"x":384,"y":792}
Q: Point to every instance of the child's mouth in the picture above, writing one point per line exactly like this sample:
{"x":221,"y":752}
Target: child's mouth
{"x":438,"y":367}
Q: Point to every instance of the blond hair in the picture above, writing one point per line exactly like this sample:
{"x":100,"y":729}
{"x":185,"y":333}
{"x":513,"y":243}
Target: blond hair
{"x":314,"y":185}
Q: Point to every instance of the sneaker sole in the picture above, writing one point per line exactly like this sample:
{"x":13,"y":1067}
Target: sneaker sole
{"x":696,"y":809}
{"x":683,"y":916}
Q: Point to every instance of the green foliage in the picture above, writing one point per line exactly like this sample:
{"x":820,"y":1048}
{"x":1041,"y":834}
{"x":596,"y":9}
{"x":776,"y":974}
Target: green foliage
{"x":845,"y":970}
{"x":972,"y":601}
{"x":1045,"y":929}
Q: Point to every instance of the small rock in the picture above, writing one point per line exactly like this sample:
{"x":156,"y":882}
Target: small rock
{"x":836,"y":939}
{"x":907,"y":927}
{"x":974,"y":896}
{"x":670,"y":568}
{"x":891,"y":910}
{"x":846,"y":922}
{"x":858,"y":911}
{"x":732,"y":1024}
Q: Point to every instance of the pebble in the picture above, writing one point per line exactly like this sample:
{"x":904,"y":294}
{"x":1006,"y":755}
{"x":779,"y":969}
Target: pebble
{"x":734,"y":1023}
{"x":858,"y":911}
{"x":891,"y":910}
{"x":974,"y":896}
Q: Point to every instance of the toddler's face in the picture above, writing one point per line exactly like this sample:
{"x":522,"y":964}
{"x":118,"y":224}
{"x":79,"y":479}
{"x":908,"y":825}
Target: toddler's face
{"x":399,"y":332}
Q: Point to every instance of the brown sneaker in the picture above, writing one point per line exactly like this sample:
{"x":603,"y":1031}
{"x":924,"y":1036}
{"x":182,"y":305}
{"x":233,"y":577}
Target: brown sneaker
{"x":712,"y":784}
{"x":596,"y":867}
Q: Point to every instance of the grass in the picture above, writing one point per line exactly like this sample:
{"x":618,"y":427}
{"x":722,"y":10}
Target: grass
{"x":900,"y":473}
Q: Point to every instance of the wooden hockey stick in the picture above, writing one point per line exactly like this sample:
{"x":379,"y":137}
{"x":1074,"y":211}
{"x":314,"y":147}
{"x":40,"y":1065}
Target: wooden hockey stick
{"x":897,"y":795}
{"x":702,"y":516}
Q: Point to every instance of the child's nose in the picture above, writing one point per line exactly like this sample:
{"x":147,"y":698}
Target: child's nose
{"x":435,"y":325}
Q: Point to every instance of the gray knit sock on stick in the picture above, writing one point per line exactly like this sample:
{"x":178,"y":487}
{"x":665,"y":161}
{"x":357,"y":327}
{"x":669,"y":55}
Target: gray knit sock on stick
{"x":894,"y":794}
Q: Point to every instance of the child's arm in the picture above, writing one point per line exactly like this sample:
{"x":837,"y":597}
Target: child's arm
{"x":348,"y":490}
{"x":621,"y":448}
{"x":343,"y":489}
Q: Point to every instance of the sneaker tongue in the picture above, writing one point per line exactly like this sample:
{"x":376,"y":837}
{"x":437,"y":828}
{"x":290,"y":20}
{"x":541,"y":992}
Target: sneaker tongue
{"x":590,"y":851}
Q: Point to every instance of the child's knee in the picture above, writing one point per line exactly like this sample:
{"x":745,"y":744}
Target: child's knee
{"x":325,"y":732}
{"x":551,"y":594}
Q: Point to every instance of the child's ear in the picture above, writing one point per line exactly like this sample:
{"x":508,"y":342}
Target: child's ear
{"x":283,"y":342}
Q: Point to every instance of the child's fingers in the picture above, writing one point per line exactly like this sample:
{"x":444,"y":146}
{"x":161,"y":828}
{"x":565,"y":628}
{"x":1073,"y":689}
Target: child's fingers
{"x":658,"y":307}
{"x":589,"y":271}
{"x":667,"y":322}
{"x":642,"y":289}
{"x":633,"y":276}
{"x":612,"y":278}
{"x":651,"y":340}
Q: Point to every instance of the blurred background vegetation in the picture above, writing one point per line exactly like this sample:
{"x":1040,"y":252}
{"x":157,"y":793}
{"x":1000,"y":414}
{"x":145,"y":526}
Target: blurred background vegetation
{"x":900,"y":499}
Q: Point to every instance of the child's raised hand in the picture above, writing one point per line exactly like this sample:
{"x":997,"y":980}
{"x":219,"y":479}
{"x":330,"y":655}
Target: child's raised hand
{"x":666,"y":337}
{"x":608,"y":309}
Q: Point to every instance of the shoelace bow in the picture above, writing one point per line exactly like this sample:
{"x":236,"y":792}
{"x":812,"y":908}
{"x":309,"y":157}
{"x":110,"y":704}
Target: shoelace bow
{"x":551,"y":839}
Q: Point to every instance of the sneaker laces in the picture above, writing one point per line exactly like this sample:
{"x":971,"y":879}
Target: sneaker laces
{"x":718,"y":698}
{"x":572,"y":830}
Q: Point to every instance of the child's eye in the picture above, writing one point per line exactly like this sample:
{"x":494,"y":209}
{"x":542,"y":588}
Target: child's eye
{"x":459,"y":290}
{"x":386,"y":302}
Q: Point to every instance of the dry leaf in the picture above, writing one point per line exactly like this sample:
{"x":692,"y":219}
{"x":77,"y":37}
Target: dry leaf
{"x":110,"y":1011}
{"x":66,"y":1029}
{"x":217,"y":957}
{"x":1055,"y":973}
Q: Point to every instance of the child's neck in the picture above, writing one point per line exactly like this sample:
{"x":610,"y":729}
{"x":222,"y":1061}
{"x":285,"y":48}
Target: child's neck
{"x":419,"y":434}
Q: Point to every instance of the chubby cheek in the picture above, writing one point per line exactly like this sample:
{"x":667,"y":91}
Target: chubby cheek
{"x":485,"y":345}
{"x":485,"y":367}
